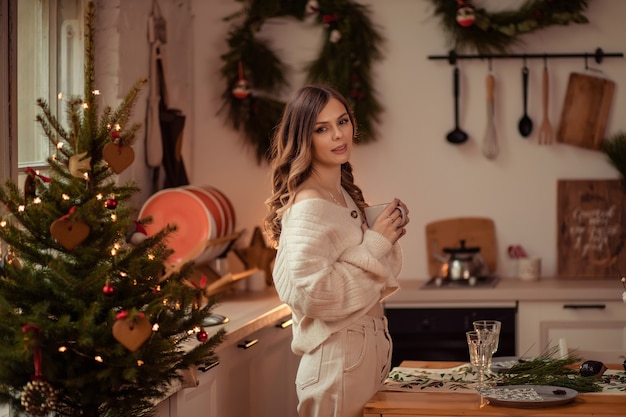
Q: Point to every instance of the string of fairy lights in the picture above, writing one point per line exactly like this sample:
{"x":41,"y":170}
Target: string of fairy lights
{"x":79,"y":166}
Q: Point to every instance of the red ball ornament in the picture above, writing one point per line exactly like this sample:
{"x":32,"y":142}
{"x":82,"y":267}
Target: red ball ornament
{"x":202,"y":336}
{"x":108,"y":290}
{"x":241,"y":90}
{"x":465,"y":16}
{"x":110,"y":203}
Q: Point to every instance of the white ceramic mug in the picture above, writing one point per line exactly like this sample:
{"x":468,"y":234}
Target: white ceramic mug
{"x":372,"y":213}
{"x":529,"y":268}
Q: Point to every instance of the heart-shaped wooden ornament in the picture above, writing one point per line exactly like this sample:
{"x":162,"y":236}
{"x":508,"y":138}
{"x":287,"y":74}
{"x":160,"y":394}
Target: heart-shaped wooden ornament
{"x":132,"y":333}
{"x":118,"y":157}
{"x":69,"y":233}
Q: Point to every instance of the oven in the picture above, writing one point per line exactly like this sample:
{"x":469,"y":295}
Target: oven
{"x":438,"y":333}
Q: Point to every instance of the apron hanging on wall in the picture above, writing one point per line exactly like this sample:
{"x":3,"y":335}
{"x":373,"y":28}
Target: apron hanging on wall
{"x":164,"y":125}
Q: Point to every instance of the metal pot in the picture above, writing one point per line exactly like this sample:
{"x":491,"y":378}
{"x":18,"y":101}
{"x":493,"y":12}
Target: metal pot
{"x":463,"y":263}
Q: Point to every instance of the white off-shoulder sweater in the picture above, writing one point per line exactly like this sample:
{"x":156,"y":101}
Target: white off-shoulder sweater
{"x":328,"y":271}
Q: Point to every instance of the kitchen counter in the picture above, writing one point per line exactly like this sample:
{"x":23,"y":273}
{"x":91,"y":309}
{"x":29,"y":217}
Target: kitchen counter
{"x":251,"y":311}
{"x":508,"y":290}
{"x":248,"y":312}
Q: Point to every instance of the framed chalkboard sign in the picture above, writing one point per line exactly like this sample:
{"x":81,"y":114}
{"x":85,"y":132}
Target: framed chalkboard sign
{"x":591,"y":222}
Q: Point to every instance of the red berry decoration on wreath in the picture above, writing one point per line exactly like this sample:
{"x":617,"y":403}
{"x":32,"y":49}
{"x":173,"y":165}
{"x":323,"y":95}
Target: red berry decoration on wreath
{"x":465,"y":14}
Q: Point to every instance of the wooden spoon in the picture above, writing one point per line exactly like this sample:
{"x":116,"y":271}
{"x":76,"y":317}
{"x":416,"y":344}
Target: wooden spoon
{"x":490,"y":143}
{"x":546,"y":134}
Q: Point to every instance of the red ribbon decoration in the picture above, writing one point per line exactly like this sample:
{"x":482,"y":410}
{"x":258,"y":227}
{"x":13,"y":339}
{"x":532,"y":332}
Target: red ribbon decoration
{"x":67,"y":216}
{"x":203,"y":281}
{"x":33,"y":173}
{"x":124,"y":314}
{"x":37,"y":356}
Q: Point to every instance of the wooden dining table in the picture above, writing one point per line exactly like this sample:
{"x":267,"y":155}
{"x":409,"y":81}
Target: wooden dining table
{"x":448,"y":404}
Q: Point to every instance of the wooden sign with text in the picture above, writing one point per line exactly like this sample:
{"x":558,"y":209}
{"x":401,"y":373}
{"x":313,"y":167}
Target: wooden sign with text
{"x":591,"y":222}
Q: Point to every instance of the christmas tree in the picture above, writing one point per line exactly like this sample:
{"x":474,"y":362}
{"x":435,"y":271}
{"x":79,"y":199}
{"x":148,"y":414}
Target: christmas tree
{"x":92,"y":323}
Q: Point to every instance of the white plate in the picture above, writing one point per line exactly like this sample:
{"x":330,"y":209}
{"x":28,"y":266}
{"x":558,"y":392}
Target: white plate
{"x":503,"y":363}
{"x":193,"y":221}
{"x":529,"y":396}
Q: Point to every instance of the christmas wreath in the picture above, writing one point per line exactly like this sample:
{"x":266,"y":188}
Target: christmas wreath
{"x":254,"y":75}
{"x":468,"y":26}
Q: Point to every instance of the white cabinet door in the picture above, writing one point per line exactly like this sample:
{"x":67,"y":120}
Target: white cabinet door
{"x":201,"y":400}
{"x":591,"y":330}
{"x":274,"y":374}
{"x":258,"y":379}
{"x":255,"y":377}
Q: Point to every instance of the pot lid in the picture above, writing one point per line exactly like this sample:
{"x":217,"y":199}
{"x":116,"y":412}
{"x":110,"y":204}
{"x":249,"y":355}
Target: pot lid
{"x":462,"y":249}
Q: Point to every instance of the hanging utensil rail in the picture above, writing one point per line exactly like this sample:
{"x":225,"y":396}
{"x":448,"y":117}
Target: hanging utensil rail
{"x":598,"y":56}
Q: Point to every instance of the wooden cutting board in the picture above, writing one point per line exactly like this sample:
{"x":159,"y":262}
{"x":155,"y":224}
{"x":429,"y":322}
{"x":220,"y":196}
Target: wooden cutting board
{"x":447,"y":233}
{"x":591,"y":229}
{"x":585,"y":110}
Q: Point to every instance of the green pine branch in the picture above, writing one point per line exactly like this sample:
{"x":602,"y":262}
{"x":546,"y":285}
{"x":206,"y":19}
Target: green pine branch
{"x":345,"y":64}
{"x":546,"y":369}
{"x":615,"y":150}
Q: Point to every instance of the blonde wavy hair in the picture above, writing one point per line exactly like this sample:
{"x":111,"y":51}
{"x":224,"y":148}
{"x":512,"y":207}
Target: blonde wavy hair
{"x":292,"y":156}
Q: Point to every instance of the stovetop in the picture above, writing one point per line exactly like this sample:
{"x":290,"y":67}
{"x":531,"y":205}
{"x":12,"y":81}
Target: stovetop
{"x":489,"y":281}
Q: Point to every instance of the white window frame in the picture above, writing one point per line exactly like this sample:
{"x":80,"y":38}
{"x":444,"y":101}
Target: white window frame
{"x":8,"y":92}
{"x":57,"y":67}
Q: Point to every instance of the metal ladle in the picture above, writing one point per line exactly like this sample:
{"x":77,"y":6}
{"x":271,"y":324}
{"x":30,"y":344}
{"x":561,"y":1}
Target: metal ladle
{"x":456,"y":136}
{"x":525,"y":123}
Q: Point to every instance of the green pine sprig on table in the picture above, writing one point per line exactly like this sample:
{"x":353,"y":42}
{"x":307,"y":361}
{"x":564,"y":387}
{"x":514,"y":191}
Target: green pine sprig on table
{"x":546,"y":369}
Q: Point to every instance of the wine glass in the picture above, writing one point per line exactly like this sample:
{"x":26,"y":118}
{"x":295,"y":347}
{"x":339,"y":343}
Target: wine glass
{"x":492,"y":326}
{"x":481,"y":344}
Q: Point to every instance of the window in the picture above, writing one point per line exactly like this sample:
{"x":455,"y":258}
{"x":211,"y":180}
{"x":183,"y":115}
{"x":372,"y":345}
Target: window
{"x":44,"y":47}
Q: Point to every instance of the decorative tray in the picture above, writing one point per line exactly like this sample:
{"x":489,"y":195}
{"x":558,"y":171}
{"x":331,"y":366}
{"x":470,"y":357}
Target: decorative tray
{"x":528,"y":396}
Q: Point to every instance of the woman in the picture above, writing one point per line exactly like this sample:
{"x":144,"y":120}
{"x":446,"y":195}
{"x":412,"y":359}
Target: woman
{"x":331,"y":269}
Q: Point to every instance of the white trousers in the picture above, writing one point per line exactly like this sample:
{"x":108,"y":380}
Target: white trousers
{"x":342,"y":374}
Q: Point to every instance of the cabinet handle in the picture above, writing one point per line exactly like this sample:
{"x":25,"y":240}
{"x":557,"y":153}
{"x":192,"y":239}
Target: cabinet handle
{"x":285,"y":324}
{"x":247,"y":344}
{"x":585,"y":306}
{"x":210,"y":365}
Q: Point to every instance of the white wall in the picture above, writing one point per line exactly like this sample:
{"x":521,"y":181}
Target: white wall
{"x":412,"y":159}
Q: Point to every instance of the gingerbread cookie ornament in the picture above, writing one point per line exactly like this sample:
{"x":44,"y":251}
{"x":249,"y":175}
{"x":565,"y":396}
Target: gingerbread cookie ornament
{"x":68,"y":232}
{"x":119,"y":157}
{"x":131,"y":332}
